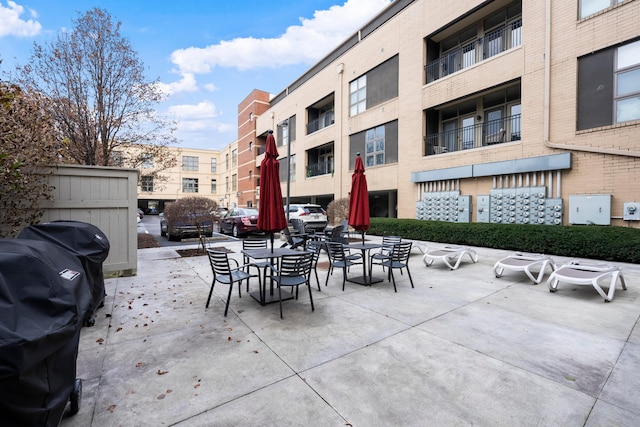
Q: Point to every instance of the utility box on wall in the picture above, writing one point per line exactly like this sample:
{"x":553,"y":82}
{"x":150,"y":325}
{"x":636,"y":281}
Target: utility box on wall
{"x":590,"y":209}
{"x":631,"y":211}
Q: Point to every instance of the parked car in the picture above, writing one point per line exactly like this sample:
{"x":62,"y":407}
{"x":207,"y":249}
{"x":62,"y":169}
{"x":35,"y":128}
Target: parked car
{"x":219,"y":213}
{"x":313,"y":216}
{"x":239,"y":222}
{"x":140,"y":213}
{"x":176,"y":230}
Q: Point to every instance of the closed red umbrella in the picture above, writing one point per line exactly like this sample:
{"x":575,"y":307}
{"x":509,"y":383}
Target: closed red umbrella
{"x":359,"y":199}
{"x":271,"y":214}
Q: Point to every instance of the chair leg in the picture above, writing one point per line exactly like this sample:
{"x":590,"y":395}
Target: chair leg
{"x":228,"y":299}
{"x":344,"y":276}
{"x":393,"y":279}
{"x":210,"y":293}
{"x":409,"y":273}
{"x":280,"y":299}
{"x":310,"y":295}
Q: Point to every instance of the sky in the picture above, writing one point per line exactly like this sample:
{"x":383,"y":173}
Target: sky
{"x":208,"y":54}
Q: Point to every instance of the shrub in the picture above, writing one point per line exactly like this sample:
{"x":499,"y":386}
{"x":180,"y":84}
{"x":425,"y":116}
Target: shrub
{"x":580,"y":241}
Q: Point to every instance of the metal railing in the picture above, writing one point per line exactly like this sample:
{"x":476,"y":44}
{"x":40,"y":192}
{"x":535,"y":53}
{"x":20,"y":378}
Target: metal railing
{"x":492,"y":132}
{"x":321,"y":122}
{"x":317,"y":169}
{"x":493,"y":43}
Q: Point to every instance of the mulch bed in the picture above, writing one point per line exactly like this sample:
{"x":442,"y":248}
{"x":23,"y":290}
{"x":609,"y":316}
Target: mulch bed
{"x":185,"y":253}
{"x":147,"y":241}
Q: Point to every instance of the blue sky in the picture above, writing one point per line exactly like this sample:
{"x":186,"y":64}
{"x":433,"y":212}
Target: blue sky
{"x":208,"y":54}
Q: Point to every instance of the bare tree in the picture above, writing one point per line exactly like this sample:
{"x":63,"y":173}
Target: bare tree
{"x":192,"y":211}
{"x":98,"y":95}
{"x":337,"y":210}
{"x":28,"y":149}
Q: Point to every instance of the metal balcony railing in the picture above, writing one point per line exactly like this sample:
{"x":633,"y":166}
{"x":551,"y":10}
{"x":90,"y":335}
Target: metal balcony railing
{"x":493,"y":43}
{"x":321,"y":122}
{"x":317,"y":169}
{"x":483,"y":134}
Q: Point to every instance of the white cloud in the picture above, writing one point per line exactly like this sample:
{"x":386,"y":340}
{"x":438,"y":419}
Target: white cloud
{"x":305,"y":43}
{"x":203,"y":110}
{"x":186,"y":84}
{"x":12,"y":25}
{"x":198,"y":125}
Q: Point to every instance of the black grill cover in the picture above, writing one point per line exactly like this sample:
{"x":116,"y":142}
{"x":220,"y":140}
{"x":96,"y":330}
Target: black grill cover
{"x":43,"y":297}
{"x":84,"y":240}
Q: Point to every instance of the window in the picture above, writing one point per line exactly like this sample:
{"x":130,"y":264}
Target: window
{"x":189,"y":163}
{"x":214,"y":165}
{"x":147,"y":161}
{"x":189,"y":185}
{"x":358,"y":96}
{"x":292,"y":170}
{"x":234,"y":182}
{"x":374,"y":146}
{"x":589,"y":7}
{"x":234,"y":158}
{"x":214,"y":186}
{"x":146,"y":183}
{"x":226,"y":156}
{"x":627,"y":81}
{"x":609,"y":86}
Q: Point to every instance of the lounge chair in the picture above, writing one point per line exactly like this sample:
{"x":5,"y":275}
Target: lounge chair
{"x":581,"y":273}
{"x":525,"y":262}
{"x":448,"y":254}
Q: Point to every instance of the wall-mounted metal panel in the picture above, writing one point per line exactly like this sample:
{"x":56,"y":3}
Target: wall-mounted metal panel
{"x":484,"y":208}
{"x":590,"y":209}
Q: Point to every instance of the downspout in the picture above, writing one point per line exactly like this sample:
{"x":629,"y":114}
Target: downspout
{"x":547,"y":109}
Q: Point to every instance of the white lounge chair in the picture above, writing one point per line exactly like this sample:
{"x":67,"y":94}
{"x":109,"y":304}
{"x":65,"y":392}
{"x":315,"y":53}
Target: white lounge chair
{"x":525,"y":262}
{"x":579,"y":273}
{"x":448,"y":255}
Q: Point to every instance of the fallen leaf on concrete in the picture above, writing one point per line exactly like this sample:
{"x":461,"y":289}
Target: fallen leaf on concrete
{"x":111,"y":408}
{"x":161,"y":372}
{"x":160,"y":397}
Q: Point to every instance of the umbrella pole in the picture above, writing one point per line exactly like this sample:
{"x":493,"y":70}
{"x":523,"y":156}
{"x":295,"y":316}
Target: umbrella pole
{"x":272,"y":242}
{"x":362,"y":236}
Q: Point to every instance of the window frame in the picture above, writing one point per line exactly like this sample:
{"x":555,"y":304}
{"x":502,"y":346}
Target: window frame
{"x":189,"y":184}
{"x":378,"y":146}
{"x":188,"y":163}
{"x":146,"y":183}
{"x":358,"y":88}
{"x":620,"y":70}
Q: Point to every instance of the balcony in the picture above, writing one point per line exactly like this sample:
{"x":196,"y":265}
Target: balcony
{"x":494,"y":42}
{"x":321,"y":122}
{"x":483,"y":134}
{"x":317,"y":169}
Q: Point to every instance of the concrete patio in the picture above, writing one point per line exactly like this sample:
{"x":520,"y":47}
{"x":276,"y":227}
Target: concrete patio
{"x":462,"y":348}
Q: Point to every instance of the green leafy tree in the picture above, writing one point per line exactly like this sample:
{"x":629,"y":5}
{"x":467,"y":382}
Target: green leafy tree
{"x":99,"y":97}
{"x":29,"y":146}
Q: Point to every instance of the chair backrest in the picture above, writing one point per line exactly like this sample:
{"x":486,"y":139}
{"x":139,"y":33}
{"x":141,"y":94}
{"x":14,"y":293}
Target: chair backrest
{"x":345,"y":229}
{"x":219,"y":262}
{"x":254,"y":244}
{"x":298,"y":225}
{"x":401,"y":252}
{"x":388,"y":242}
{"x":336,"y":234}
{"x":315,"y":247}
{"x":391,"y":240}
{"x":296,"y":265}
{"x":336,"y":251}
{"x":287,"y":234}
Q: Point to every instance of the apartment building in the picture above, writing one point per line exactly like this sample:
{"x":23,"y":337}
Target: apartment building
{"x":208,"y":173}
{"x":486,"y":111}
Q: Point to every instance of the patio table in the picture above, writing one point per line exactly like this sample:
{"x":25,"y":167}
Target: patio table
{"x":364,"y":248}
{"x":271,"y":254}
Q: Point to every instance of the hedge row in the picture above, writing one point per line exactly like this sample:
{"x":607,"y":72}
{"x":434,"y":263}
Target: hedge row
{"x":621,"y":244}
